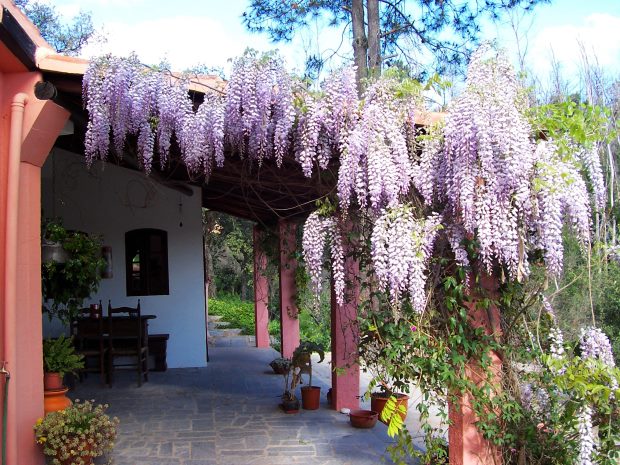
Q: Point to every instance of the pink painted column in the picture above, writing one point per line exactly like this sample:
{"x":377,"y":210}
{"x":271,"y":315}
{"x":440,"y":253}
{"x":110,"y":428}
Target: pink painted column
{"x":467,"y":445}
{"x":345,"y":337}
{"x":261,"y":293}
{"x":28,"y":129}
{"x":289,"y":323}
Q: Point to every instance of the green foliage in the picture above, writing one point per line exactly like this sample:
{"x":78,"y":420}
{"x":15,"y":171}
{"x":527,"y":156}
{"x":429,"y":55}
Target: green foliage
{"x":435,"y":351}
{"x":68,"y":284}
{"x":65,"y":38}
{"x":230,"y":254}
{"x":573,"y":302}
{"x":238,"y":313}
{"x":450,"y":28}
{"x":59,"y":356}
{"x":569,"y":123}
{"x":301,"y":362}
{"x":76,"y":434}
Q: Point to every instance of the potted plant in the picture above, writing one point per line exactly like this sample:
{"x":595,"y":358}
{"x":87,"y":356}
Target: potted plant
{"x":67,"y":282}
{"x":77,"y":434}
{"x":59,"y":358}
{"x":302,"y":363}
{"x":280,"y":365}
{"x":290,"y":403}
{"x":386,"y":347}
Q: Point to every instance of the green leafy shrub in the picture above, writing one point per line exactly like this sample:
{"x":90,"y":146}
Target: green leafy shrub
{"x":66,"y":285}
{"x":233,"y":310}
{"x":59,"y":356}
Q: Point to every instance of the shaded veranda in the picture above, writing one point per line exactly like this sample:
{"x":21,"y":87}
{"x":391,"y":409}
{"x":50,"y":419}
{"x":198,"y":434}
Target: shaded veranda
{"x":227,"y":413}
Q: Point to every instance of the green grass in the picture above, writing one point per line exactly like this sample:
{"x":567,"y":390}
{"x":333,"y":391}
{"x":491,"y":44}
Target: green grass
{"x":238,"y":313}
{"x":241,"y":315}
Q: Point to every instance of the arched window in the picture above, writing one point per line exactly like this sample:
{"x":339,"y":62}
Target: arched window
{"x":146,"y":262}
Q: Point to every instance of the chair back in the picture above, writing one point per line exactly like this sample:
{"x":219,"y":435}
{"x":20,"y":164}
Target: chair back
{"x":88,"y":324}
{"x":125,"y":323}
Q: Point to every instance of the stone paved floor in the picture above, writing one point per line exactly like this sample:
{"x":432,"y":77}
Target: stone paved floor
{"x":227,"y":414}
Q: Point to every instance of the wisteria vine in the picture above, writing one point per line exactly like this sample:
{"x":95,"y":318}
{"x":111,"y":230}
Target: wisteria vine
{"x":482,"y":172}
{"x":321,"y":231}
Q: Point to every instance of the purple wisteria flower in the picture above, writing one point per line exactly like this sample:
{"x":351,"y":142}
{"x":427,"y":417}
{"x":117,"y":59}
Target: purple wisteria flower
{"x":595,"y":345}
{"x":401,"y":246}
{"x":320,"y":231}
{"x":587,"y":443}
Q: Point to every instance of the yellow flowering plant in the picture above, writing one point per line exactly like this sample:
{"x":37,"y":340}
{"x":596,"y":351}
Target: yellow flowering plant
{"x":77,"y":434}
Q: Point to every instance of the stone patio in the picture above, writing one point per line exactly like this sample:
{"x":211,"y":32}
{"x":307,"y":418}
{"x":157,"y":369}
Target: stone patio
{"x":227,"y":414}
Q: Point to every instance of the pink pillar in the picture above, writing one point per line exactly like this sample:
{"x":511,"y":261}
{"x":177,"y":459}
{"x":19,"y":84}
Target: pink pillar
{"x":289,"y":323}
{"x":467,"y":446}
{"x":345,"y":336}
{"x":28,"y":129}
{"x":261,"y":293}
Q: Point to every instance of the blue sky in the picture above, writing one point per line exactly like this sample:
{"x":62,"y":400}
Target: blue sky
{"x":187,"y":32}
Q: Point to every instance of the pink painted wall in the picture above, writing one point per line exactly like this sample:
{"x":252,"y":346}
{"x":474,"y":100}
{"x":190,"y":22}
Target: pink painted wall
{"x":261,"y":293}
{"x":288,"y":309}
{"x":345,"y":337}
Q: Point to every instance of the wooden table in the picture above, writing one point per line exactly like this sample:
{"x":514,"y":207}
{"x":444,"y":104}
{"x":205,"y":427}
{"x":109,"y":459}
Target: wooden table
{"x":122,"y":326}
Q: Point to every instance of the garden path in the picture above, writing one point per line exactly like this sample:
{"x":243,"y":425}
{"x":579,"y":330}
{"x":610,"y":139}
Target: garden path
{"x":227,"y":414}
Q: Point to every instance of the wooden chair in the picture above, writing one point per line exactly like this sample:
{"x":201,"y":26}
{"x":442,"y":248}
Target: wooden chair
{"x":90,"y":340}
{"x":128,"y":339}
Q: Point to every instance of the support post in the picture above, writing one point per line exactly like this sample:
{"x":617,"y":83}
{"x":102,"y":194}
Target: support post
{"x":467,"y":445}
{"x":345,"y":338}
{"x":28,"y":129}
{"x":261,"y":293}
{"x":289,"y":322}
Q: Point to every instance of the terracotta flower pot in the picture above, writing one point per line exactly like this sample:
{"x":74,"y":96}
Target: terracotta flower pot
{"x":363,"y":418}
{"x":290,"y":405}
{"x":378,"y":401}
{"x":54,"y":400}
{"x":52,"y":381}
{"x":310,"y":397}
{"x":87,"y":459}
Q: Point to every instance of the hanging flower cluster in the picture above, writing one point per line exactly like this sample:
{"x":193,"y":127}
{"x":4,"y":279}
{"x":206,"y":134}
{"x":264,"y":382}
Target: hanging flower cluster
{"x":587,"y":444}
{"x":124,"y":97}
{"x":595,"y":345}
{"x":326,"y":119}
{"x":259,"y":108}
{"x":482,"y":171}
{"x":375,"y":166}
{"x":592,"y":164}
{"x":320,"y":231}
{"x":401,"y":247}
{"x":509,"y":193}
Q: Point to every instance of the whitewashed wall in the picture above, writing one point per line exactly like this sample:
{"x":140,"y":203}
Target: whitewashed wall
{"x":108,"y":200}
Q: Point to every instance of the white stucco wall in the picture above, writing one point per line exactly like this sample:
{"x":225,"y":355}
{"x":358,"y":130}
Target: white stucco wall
{"x":108,"y":201}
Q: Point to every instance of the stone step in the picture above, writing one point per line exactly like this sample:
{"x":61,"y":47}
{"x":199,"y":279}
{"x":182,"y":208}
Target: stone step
{"x":226,"y":332}
{"x":214,"y":317}
{"x":218,"y":324}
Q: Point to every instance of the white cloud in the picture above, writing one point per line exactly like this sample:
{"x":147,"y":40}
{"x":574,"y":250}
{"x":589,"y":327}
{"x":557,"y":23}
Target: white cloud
{"x":184,"y":41}
{"x":599,"y":33}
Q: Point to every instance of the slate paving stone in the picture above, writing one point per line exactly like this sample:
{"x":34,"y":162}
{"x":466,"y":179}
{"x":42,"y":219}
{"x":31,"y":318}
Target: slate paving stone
{"x":227,"y":414}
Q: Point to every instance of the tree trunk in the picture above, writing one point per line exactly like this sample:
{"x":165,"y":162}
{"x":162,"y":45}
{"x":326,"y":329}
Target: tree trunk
{"x":244,"y":287}
{"x":360,"y":43}
{"x":374,"y":51}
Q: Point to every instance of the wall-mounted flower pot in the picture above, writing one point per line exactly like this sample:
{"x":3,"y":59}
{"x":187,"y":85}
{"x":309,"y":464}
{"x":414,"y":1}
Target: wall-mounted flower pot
{"x":310,"y":397}
{"x":378,"y":401}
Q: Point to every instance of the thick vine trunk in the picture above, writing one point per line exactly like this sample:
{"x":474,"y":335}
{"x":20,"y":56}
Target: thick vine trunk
{"x":374,"y":51}
{"x":360,"y":43}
